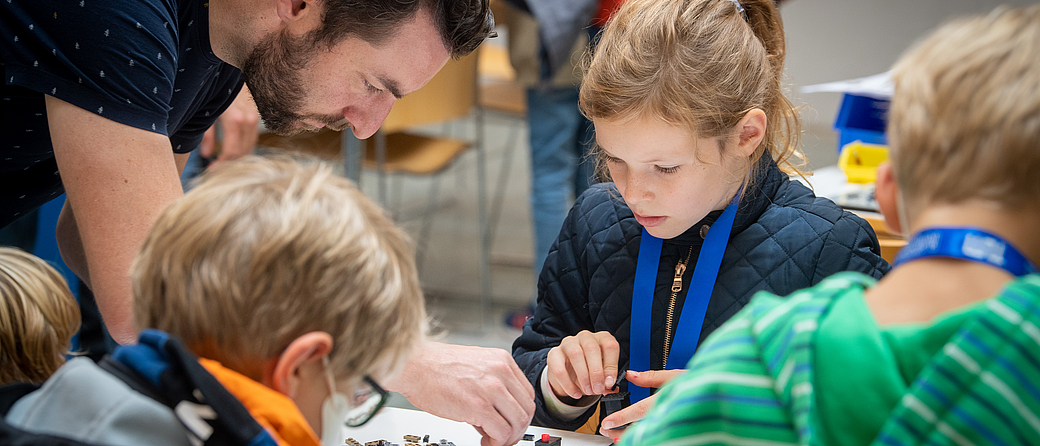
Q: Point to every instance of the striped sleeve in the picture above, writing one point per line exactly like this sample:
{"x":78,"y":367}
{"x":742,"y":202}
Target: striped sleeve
{"x":727,"y":397}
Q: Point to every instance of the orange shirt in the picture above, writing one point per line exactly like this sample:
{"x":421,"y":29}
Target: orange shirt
{"x":274,"y":411}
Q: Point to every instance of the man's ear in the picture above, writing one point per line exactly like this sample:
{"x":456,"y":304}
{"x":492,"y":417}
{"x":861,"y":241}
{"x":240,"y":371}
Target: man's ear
{"x":301,"y":356}
{"x":886,"y":190}
{"x":751,"y":131}
{"x":292,"y":11}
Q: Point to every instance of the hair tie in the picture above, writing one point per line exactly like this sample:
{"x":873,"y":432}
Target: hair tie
{"x":740,"y":9}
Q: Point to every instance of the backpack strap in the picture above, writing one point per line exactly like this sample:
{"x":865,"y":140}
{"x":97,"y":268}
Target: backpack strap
{"x":130,"y":378}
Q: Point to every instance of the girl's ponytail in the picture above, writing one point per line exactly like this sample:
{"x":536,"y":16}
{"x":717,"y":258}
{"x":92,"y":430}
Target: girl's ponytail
{"x":785,"y":131}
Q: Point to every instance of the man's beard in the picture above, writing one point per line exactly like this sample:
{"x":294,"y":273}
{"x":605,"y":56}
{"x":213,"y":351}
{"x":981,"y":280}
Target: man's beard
{"x":272,"y":73}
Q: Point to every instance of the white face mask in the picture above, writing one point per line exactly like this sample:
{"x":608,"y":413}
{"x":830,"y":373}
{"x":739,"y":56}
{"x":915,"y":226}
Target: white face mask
{"x":333,"y":411}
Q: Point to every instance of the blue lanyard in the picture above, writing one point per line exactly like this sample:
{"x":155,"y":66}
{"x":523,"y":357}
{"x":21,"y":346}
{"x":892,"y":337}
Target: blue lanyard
{"x":969,"y":244}
{"x":688,"y":331}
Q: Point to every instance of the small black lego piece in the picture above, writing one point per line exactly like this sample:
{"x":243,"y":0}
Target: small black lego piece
{"x":548,"y":440}
{"x":613,"y":402}
{"x":622,"y":374}
{"x":426,"y":438}
{"x":528,"y":437}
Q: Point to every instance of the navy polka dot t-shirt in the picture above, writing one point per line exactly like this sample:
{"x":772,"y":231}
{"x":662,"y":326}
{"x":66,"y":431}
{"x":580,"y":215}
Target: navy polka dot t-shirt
{"x":143,"y":63}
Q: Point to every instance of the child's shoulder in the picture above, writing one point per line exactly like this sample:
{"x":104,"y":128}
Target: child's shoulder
{"x":769,"y":309}
{"x":795,"y":199}
{"x":68,"y":403}
{"x":794,"y":202}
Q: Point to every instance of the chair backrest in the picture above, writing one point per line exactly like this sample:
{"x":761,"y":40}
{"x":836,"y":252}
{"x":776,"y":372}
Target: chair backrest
{"x":451,"y":94}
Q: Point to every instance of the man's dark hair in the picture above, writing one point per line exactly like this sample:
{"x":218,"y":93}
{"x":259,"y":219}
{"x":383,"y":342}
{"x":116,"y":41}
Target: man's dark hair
{"x":463,"y":24}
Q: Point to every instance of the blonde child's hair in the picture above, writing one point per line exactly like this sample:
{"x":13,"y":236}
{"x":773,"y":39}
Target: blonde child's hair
{"x":38,"y":317}
{"x":964,"y":122}
{"x":696,"y":64}
{"x":264,"y":250}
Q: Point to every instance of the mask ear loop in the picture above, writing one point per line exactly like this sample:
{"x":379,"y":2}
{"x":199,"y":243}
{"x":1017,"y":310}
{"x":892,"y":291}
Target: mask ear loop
{"x":328,"y":374}
{"x":904,"y":222}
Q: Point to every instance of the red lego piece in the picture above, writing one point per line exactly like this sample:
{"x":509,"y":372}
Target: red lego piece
{"x":548,"y":440}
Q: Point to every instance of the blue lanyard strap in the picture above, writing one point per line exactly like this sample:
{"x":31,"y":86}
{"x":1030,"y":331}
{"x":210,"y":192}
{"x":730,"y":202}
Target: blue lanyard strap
{"x":972,"y":244}
{"x":691,"y":318}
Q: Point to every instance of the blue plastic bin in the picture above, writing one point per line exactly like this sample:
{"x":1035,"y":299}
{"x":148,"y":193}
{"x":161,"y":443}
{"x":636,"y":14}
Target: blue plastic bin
{"x":861,"y":118}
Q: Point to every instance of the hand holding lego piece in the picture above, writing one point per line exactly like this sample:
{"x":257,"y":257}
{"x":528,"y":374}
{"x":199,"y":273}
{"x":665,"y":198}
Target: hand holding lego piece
{"x":614,"y":425}
{"x":583,"y":364}
{"x":479,"y":386}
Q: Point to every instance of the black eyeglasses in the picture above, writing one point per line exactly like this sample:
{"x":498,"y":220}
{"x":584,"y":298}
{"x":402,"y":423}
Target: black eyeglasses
{"x":366,"y":402}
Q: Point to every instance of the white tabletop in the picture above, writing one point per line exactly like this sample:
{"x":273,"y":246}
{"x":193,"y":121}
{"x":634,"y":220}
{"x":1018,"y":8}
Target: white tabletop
{"x":392,"y":424}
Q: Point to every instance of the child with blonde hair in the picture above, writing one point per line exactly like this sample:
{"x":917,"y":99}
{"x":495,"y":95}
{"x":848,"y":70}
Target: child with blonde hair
{"x":943,"y":350}
{"x":38,"y":317}
{"x":273,"y":298}
{"x":699,"y":140}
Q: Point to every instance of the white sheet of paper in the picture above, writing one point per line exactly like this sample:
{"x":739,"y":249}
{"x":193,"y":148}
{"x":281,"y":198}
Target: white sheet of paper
{"x":878,"y":86}
{"x":393,"y":424}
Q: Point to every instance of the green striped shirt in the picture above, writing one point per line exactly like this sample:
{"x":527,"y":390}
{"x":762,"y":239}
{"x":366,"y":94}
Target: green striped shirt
{"x":969,"y":377}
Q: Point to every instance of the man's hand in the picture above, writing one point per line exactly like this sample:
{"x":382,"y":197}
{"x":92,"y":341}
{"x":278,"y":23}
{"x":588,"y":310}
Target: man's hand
{"x":240,"y":124}
{"x":583,"y":364}
{"x":653,"y":379}
{"x":479,"y":386}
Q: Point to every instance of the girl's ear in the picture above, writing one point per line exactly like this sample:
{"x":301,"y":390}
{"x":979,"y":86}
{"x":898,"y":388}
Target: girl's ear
{"x":751,"y":131}
{"x":303,"y":352}
{"x":886,"y":190}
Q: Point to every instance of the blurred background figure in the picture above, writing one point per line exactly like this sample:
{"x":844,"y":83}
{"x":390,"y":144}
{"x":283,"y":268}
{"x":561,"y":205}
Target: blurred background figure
{"x":547,"y":43}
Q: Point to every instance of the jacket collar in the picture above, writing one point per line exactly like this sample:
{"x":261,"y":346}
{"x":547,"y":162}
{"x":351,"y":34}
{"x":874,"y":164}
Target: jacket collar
{"x":175,"y":376}
{"x":753,"y":203}
{"x":273,"y":410}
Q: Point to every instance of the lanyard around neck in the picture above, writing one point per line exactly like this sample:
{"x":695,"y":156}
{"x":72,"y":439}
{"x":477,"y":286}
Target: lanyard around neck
{"x":966,"y":243}
{"x":691,"y":318}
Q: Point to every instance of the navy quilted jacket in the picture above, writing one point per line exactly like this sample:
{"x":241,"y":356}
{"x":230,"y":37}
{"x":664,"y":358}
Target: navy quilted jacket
{"x":784,"y":239}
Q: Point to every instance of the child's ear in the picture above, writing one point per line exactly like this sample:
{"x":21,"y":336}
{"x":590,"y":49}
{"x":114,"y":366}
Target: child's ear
{"x":752,"y":130}
{"x":299,"y":361}
{"x":886,"y":190}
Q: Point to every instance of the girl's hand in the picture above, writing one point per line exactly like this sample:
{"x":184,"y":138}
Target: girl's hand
{"x":583,"y":364}
{"x":614,"y":425}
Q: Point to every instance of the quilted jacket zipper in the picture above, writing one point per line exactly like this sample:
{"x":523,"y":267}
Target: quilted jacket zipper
{"x":669,"y":318}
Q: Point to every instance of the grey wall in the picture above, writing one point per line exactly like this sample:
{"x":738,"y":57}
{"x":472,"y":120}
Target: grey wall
{"x":830,"y":40}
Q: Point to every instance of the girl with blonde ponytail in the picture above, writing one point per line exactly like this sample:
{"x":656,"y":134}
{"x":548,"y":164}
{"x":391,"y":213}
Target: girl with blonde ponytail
{"x":942,"y":350}
{"x":695,"y":133}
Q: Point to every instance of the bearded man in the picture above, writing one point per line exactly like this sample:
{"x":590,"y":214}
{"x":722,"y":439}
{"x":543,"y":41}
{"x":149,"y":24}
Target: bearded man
{"x":104,"y":100}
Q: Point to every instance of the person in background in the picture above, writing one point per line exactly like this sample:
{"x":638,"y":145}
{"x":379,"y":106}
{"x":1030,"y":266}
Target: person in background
{"x":694,"y":131}
{"x":38,"y":317}
{"x":273,"y":276}
{"x":233,"y":136}
{"x":560,"y":137}
{"x":943,"y":349}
